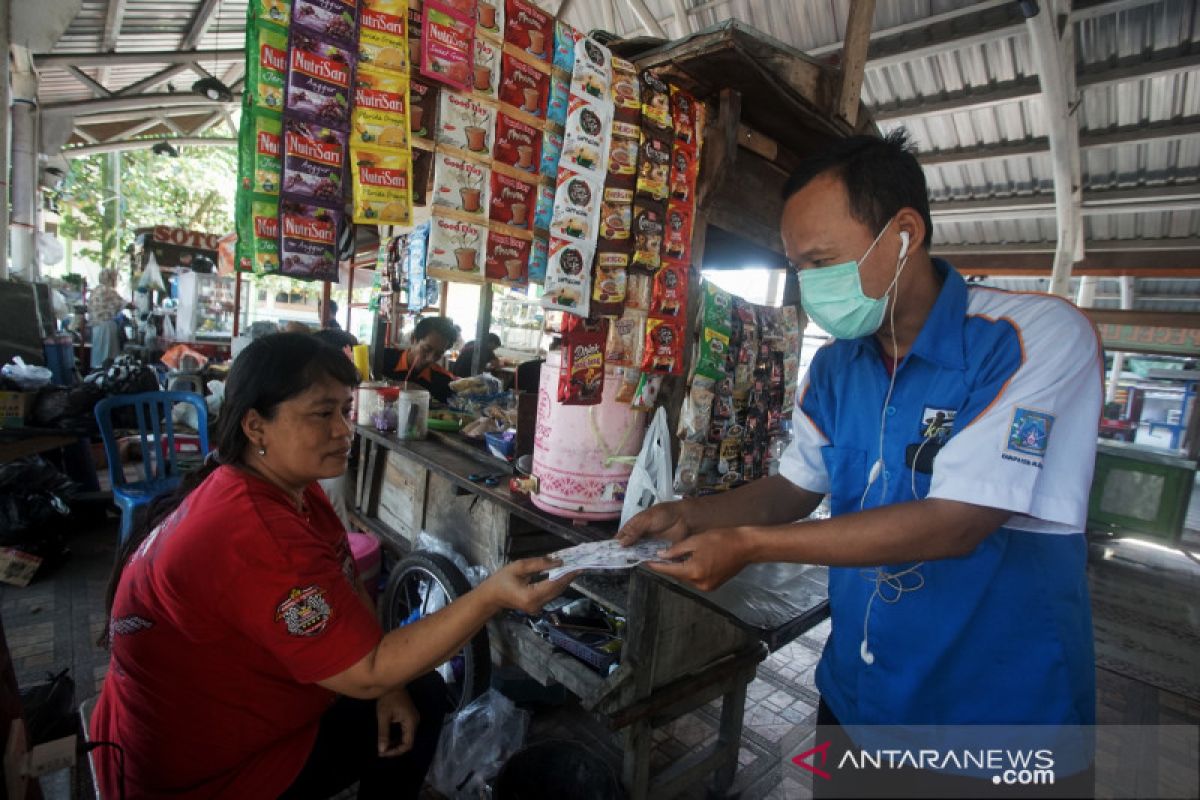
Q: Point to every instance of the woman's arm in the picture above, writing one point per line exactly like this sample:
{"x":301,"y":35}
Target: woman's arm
{"x":413,"y":650}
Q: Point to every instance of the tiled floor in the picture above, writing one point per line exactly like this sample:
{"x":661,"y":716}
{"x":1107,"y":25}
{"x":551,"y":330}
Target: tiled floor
{"x":55,"y":623}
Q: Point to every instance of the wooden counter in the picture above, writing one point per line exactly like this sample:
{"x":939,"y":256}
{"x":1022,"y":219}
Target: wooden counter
{"x":683,"y":647}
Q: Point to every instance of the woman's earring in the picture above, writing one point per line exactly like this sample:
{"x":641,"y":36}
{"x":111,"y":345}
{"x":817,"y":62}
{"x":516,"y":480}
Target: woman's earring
{"x":262,"y":451}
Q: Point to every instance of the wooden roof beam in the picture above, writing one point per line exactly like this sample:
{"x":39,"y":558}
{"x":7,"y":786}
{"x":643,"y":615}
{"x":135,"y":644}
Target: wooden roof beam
{"x":1160,"y":264}
{"x":854,"y":60}
{"x":1052,"y":41}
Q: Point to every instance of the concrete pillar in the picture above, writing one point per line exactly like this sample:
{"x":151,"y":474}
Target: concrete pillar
{"x":5,"y":102}
{"x":22,"y":221}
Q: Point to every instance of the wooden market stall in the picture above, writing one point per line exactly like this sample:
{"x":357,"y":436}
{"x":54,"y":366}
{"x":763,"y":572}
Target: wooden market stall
{"x":768,"y":106}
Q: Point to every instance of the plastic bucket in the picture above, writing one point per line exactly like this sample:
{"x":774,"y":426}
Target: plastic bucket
{"x":582,"y":455}
{"x":365,"y":550}
{"x":554,"y":770}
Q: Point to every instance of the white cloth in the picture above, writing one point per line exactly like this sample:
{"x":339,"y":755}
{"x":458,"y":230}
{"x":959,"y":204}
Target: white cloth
{"x":106,"y":343}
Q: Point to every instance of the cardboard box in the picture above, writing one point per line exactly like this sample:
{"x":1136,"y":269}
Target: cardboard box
{"x":16,"y":408}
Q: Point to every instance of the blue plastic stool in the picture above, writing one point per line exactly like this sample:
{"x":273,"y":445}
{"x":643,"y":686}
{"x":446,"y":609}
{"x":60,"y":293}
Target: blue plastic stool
{"x":160,"y":458}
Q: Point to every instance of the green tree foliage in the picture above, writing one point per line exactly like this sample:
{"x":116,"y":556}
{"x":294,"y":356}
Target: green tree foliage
{"x":194,"y":191}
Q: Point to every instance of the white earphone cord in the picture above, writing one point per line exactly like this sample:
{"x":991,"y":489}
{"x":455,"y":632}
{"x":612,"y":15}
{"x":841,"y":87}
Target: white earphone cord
{"x":878,"y":575}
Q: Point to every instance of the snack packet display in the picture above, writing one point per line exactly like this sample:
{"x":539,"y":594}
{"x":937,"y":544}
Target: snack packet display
{"x":489,"y":18}
{"x":314,"y":162}
{"x":267,"y":156}
{"x":461,"y":184}
{"x":518,"y":144}
{"x":319,"y":81}
{"x":669,"y":298}
{"x":523,"y":85}
{"x":422,"y":108}
{"x":565,"y":39}
{"x":308,"y":240}
{"x":512,"y":201}
{"x":626,"y":336}
{"x":332,"y":20}
{"x":663,"y":351}
{"x":656,"y":103}
{"x":380,"y":115}
{"x":528,"y":28}
{"x":654,"y":165}
{"x":466,"y":123}
{"x":382,"y":186}
{"x":383,"y":40}
{"x":268,"y":62}
{"x":646,"y":394}
{"x":626,"y":92}
{"x":539,"y":257}
{"x":581,"y":371}
{"x":648,"y":228}
{"x":585,"y":142}
{"x":568,"y":277}
{"x":447,"y":45}
{"x":507,"y":258}
{"x":677,"y":233}
{"x":576,"y":207}
{"x":552,"y":145}
{"x":456,"y":249}
{"x":485,"y":75}
{"x":592,"y":73}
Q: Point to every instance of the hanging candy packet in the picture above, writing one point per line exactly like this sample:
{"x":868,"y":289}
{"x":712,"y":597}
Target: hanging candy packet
{"x":383,"y":40}
{"x":626,"y":92}
{"x":466,"y":123}
{"x":552,"y":145}
{"x":314,"y":162}
{"x":523,"y":85}
{"x":486,"y":67}
{"x":422,"y":107}
{"x":447,"y":45}
{"x":489,"y":18}
{"x":647,"y":236}
{"x":539,"y":256}
{"x":380,"y":116}
{"x":382,"y":186}
{"x":529,"y":28}
{"x":647,"y":392}
{"x":318,"y":82}
{"x":585,"y":143}
{"x":663,"y":351}
{"x":456,"y":248}
{"x":677,"y":234}
{"x":461,"y":184}
{"x":267,"y":158}
{"x":268,"y":65}
{"x":654,"y":165}
{"x":625,"y":339}
{"x":576,"y":207}
{"x":656,"y":102}
{"x":507,"y":258}
{"x":568,"y":277}
{"x":565,"y":38}
{"x":592,"y":73}
{"x":517,"y":144}
{"x":669,"y":297}
{"x":512,"y":201}
{"x":581,"y":371}
{"x":308,"y":240}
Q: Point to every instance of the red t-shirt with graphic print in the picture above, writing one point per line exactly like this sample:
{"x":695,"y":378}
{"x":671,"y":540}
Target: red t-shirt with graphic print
{"x":224,"y":621}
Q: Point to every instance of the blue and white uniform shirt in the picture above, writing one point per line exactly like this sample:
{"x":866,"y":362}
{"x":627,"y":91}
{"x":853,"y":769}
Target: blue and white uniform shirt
{"x":997,"y":404}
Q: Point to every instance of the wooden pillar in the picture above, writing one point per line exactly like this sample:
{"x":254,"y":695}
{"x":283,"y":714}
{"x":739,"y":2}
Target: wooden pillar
{"x":237,"y":301}
{"x":325,"y":293}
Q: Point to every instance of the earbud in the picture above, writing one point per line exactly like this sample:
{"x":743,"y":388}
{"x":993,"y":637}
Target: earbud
{"x":866,"y":655}
{"x":903,"y":243}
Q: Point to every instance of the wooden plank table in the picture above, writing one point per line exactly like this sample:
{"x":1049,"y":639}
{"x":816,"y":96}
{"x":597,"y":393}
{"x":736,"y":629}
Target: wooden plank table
{"x":682,"y":647}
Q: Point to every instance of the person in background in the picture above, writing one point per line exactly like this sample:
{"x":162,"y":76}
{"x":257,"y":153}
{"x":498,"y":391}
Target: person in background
{"x":462,"y":364}
{"x":338,"y":339}
{"x":421,"y":362}
{"x":105,"y":304}
{"x":246,"y":658}
{"x":329,"y":321}
{"x":296,"y":327}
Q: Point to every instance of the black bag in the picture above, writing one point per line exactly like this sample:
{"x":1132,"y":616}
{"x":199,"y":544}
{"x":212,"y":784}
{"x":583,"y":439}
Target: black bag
{"x":49,"y":708}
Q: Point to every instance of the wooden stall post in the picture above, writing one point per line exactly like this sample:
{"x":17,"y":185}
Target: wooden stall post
{"x":854,"y":60}
{"x":237,"y":303}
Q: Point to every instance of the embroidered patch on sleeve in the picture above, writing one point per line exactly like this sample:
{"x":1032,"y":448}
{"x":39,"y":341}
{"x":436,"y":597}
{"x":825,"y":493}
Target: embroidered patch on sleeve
{"x":1029,"y":432}
{"x":305,"y":612}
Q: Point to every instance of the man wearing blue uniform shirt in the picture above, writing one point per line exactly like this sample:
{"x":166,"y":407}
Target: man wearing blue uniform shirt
{"x":954,"y":429}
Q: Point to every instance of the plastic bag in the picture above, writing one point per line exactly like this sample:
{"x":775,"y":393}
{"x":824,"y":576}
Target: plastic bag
{"x":650,"y":482}
{"x":474,"y":575}
{"x":475,"y":743}
{"x":26,"y":376}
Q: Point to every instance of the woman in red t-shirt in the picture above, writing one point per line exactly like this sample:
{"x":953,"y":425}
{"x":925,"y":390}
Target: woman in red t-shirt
{"x":246,"y":658}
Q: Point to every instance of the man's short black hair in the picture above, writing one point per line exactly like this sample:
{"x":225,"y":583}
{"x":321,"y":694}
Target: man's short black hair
{"x":336,"y":338}
{"x":441,"y":325}
{"x":492,"y":340}
{"x":881,"y":177}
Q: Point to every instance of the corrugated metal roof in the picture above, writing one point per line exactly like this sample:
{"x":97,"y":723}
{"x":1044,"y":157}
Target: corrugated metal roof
{"x":1136,"y":33}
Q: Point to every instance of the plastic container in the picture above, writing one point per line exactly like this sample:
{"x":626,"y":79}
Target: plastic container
{"x":412,"y":414}
{"x":367,"y":558}
{"x":367,"y":401}
{"x":582,"y":455}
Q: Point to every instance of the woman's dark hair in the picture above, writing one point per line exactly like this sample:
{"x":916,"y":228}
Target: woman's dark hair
{"x":441,"y":325}
{"x":881,"y":177}
{"x":269,"y":371}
